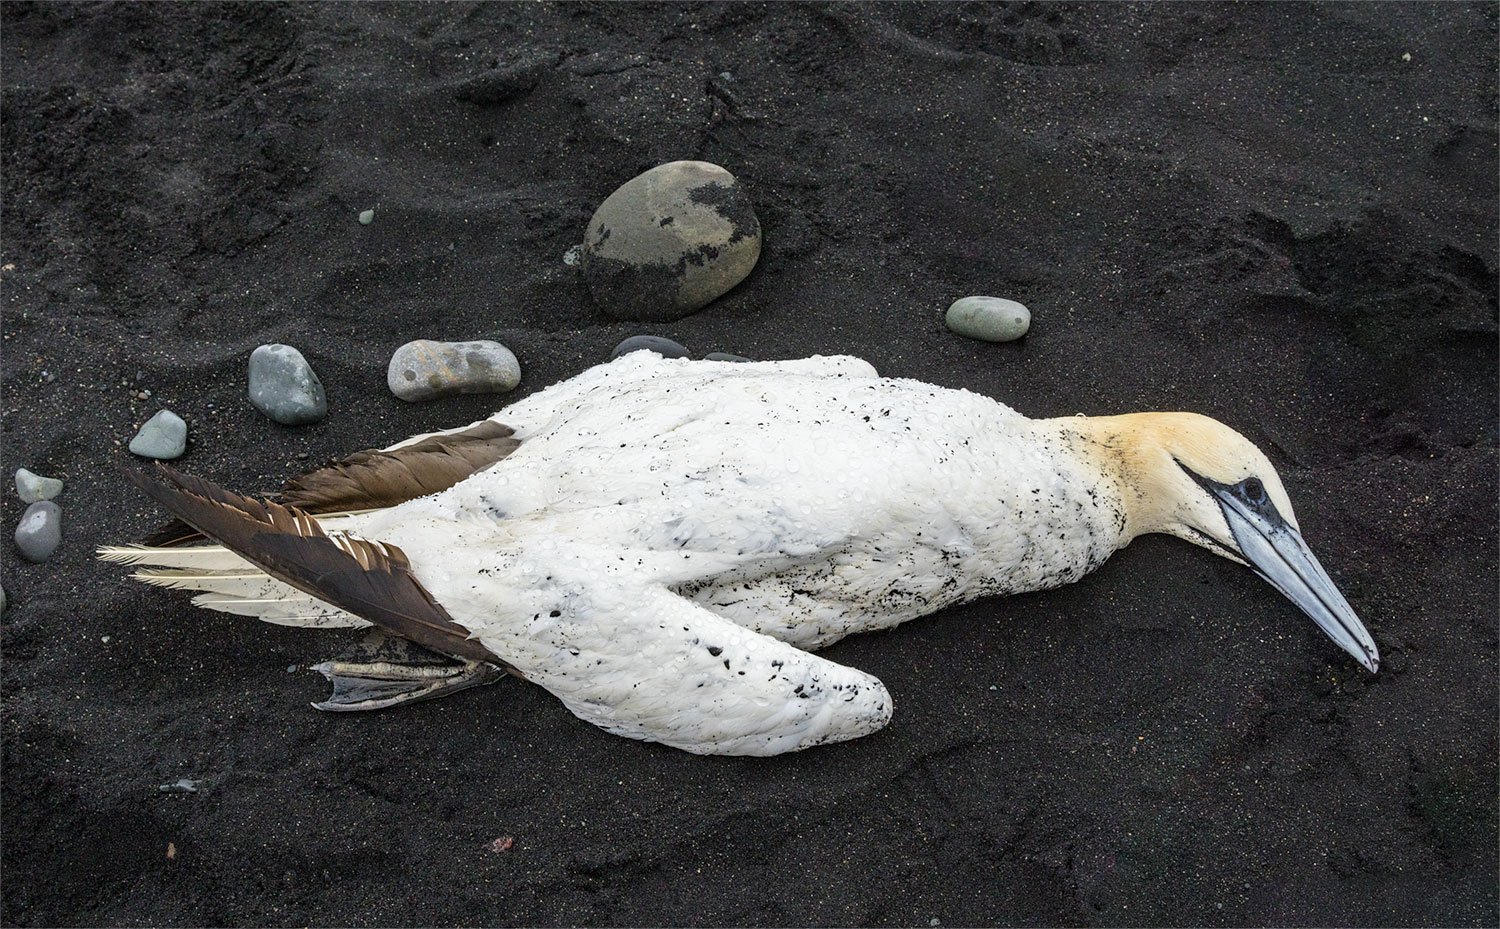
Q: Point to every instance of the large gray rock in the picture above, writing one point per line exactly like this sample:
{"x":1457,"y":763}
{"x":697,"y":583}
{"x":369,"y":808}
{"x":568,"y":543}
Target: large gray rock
{"x":426,"y":370}
{"x":40,"y":531}
{"x":164,"y":436}
{"x":284,"y":387}
{"x":669,"y":242}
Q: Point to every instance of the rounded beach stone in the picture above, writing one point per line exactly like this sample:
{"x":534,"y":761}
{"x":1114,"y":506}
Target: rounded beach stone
{"x":669,"y":242}
{"x":724,"y":356}
{"x":650,"y":343}
{"x":284,"y":387}
{"x":426,"y":370}
{"x":40,"y":531}
{"x":34,"y":488}
{"x":164,"y":436}
{"x":990,"y":319}
{"x":366,"y":217}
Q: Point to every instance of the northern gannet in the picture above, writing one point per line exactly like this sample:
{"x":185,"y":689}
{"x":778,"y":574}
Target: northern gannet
{"x":661,"y":543}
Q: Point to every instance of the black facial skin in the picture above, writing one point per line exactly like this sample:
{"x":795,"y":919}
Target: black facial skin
{"x":1251,"y":492}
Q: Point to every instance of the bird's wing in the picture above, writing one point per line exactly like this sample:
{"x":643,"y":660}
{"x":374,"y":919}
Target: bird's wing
{"x":374,"y":479}
{"x":640,"y":661}
{"x":369,"y":579}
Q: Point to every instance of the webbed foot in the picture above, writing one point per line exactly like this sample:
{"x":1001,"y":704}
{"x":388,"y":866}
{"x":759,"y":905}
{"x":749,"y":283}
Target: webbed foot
{"x":383,"y":670}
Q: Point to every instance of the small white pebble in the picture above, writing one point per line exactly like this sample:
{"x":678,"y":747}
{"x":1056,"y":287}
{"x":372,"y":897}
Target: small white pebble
{"x":367,"y":217}
{"x":104,"y":639}
{"x":1406,"y":56}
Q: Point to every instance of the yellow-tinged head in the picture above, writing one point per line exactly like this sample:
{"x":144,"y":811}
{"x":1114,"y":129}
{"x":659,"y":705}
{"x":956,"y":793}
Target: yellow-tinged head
{"x":1194,"y":477}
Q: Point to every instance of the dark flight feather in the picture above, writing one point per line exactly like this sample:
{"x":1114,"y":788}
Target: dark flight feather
{"x":372,"y":580}
{"x":373,"y":479}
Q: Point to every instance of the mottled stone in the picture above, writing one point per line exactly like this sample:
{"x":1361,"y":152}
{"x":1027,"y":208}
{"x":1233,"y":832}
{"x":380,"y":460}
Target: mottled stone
{"x":650,"y":343}
{"x":34,"y":488}
{"x":426,"y":370}
{"x":40,"y":531}
{"x":990,"y":319}
{"x":724,"y":356}
{"x":284,"y":387}
{"x":669,"y":242}
{"x":164,"y":436}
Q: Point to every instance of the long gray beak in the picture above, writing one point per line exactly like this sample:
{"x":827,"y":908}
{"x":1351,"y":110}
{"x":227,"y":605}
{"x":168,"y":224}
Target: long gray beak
{"x":1278,"y":554}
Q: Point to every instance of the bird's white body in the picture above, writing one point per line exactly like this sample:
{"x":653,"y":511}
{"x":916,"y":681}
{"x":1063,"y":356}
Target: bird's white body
{"x":671,"y":537}
{"x":698,"y":523}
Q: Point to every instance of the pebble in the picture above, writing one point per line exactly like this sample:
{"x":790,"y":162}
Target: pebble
{"x":40,"y":531}
{"x":670,"y":241}
{"x":573,"y":256}
{"x":183,"y":785}
{"x":367,"y":217}
{"x":33,"y":488}
{"x":284,"y":387}
{"x":164,"y":436}
{"x":2,"y":598}
{"x":990,"y":319}
{"x":650,"y":343}
{"x":724,"y":356}
{"x":426,"y":370}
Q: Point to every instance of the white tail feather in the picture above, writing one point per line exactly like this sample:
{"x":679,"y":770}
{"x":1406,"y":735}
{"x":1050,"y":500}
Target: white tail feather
{"x":203,"y":558}
{"x":246,"y":584}
{"x":230,"y":584}
{"x":305,"y":611}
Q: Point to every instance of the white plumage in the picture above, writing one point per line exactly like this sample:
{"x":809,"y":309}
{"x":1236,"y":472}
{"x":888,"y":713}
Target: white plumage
{"x":672,"y":535}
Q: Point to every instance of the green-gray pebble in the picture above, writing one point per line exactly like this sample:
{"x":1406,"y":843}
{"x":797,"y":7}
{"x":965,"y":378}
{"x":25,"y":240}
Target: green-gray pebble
{"x":284,"y":387}
{"x":33,"y":488}
{"x":164,"y":436}
{"x":990,"y":319}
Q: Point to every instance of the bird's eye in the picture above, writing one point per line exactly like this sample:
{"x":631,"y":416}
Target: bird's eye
{"x":1255,"y":490}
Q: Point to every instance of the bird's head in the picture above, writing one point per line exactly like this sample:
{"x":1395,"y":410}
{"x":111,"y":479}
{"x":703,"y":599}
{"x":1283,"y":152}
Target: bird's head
{"x":1196,"y":478}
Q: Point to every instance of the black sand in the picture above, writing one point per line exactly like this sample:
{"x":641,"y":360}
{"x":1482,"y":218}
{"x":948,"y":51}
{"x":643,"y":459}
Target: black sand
{"x":1264,"y":212}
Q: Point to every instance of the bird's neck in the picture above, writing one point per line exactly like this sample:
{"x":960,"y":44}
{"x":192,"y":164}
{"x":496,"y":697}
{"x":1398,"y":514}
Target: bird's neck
{"x":1128,"y":454}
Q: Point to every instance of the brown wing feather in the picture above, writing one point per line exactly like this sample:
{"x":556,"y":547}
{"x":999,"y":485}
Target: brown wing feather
{"x":373,"y":479}
{"x":369,"y":579}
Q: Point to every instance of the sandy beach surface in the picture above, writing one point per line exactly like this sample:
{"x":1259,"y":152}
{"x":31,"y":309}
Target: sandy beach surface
{"x":1282,"y":215}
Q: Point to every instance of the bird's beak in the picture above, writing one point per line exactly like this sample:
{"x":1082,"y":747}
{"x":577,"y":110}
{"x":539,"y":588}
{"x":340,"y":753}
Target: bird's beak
{"x":1278,"y":553}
